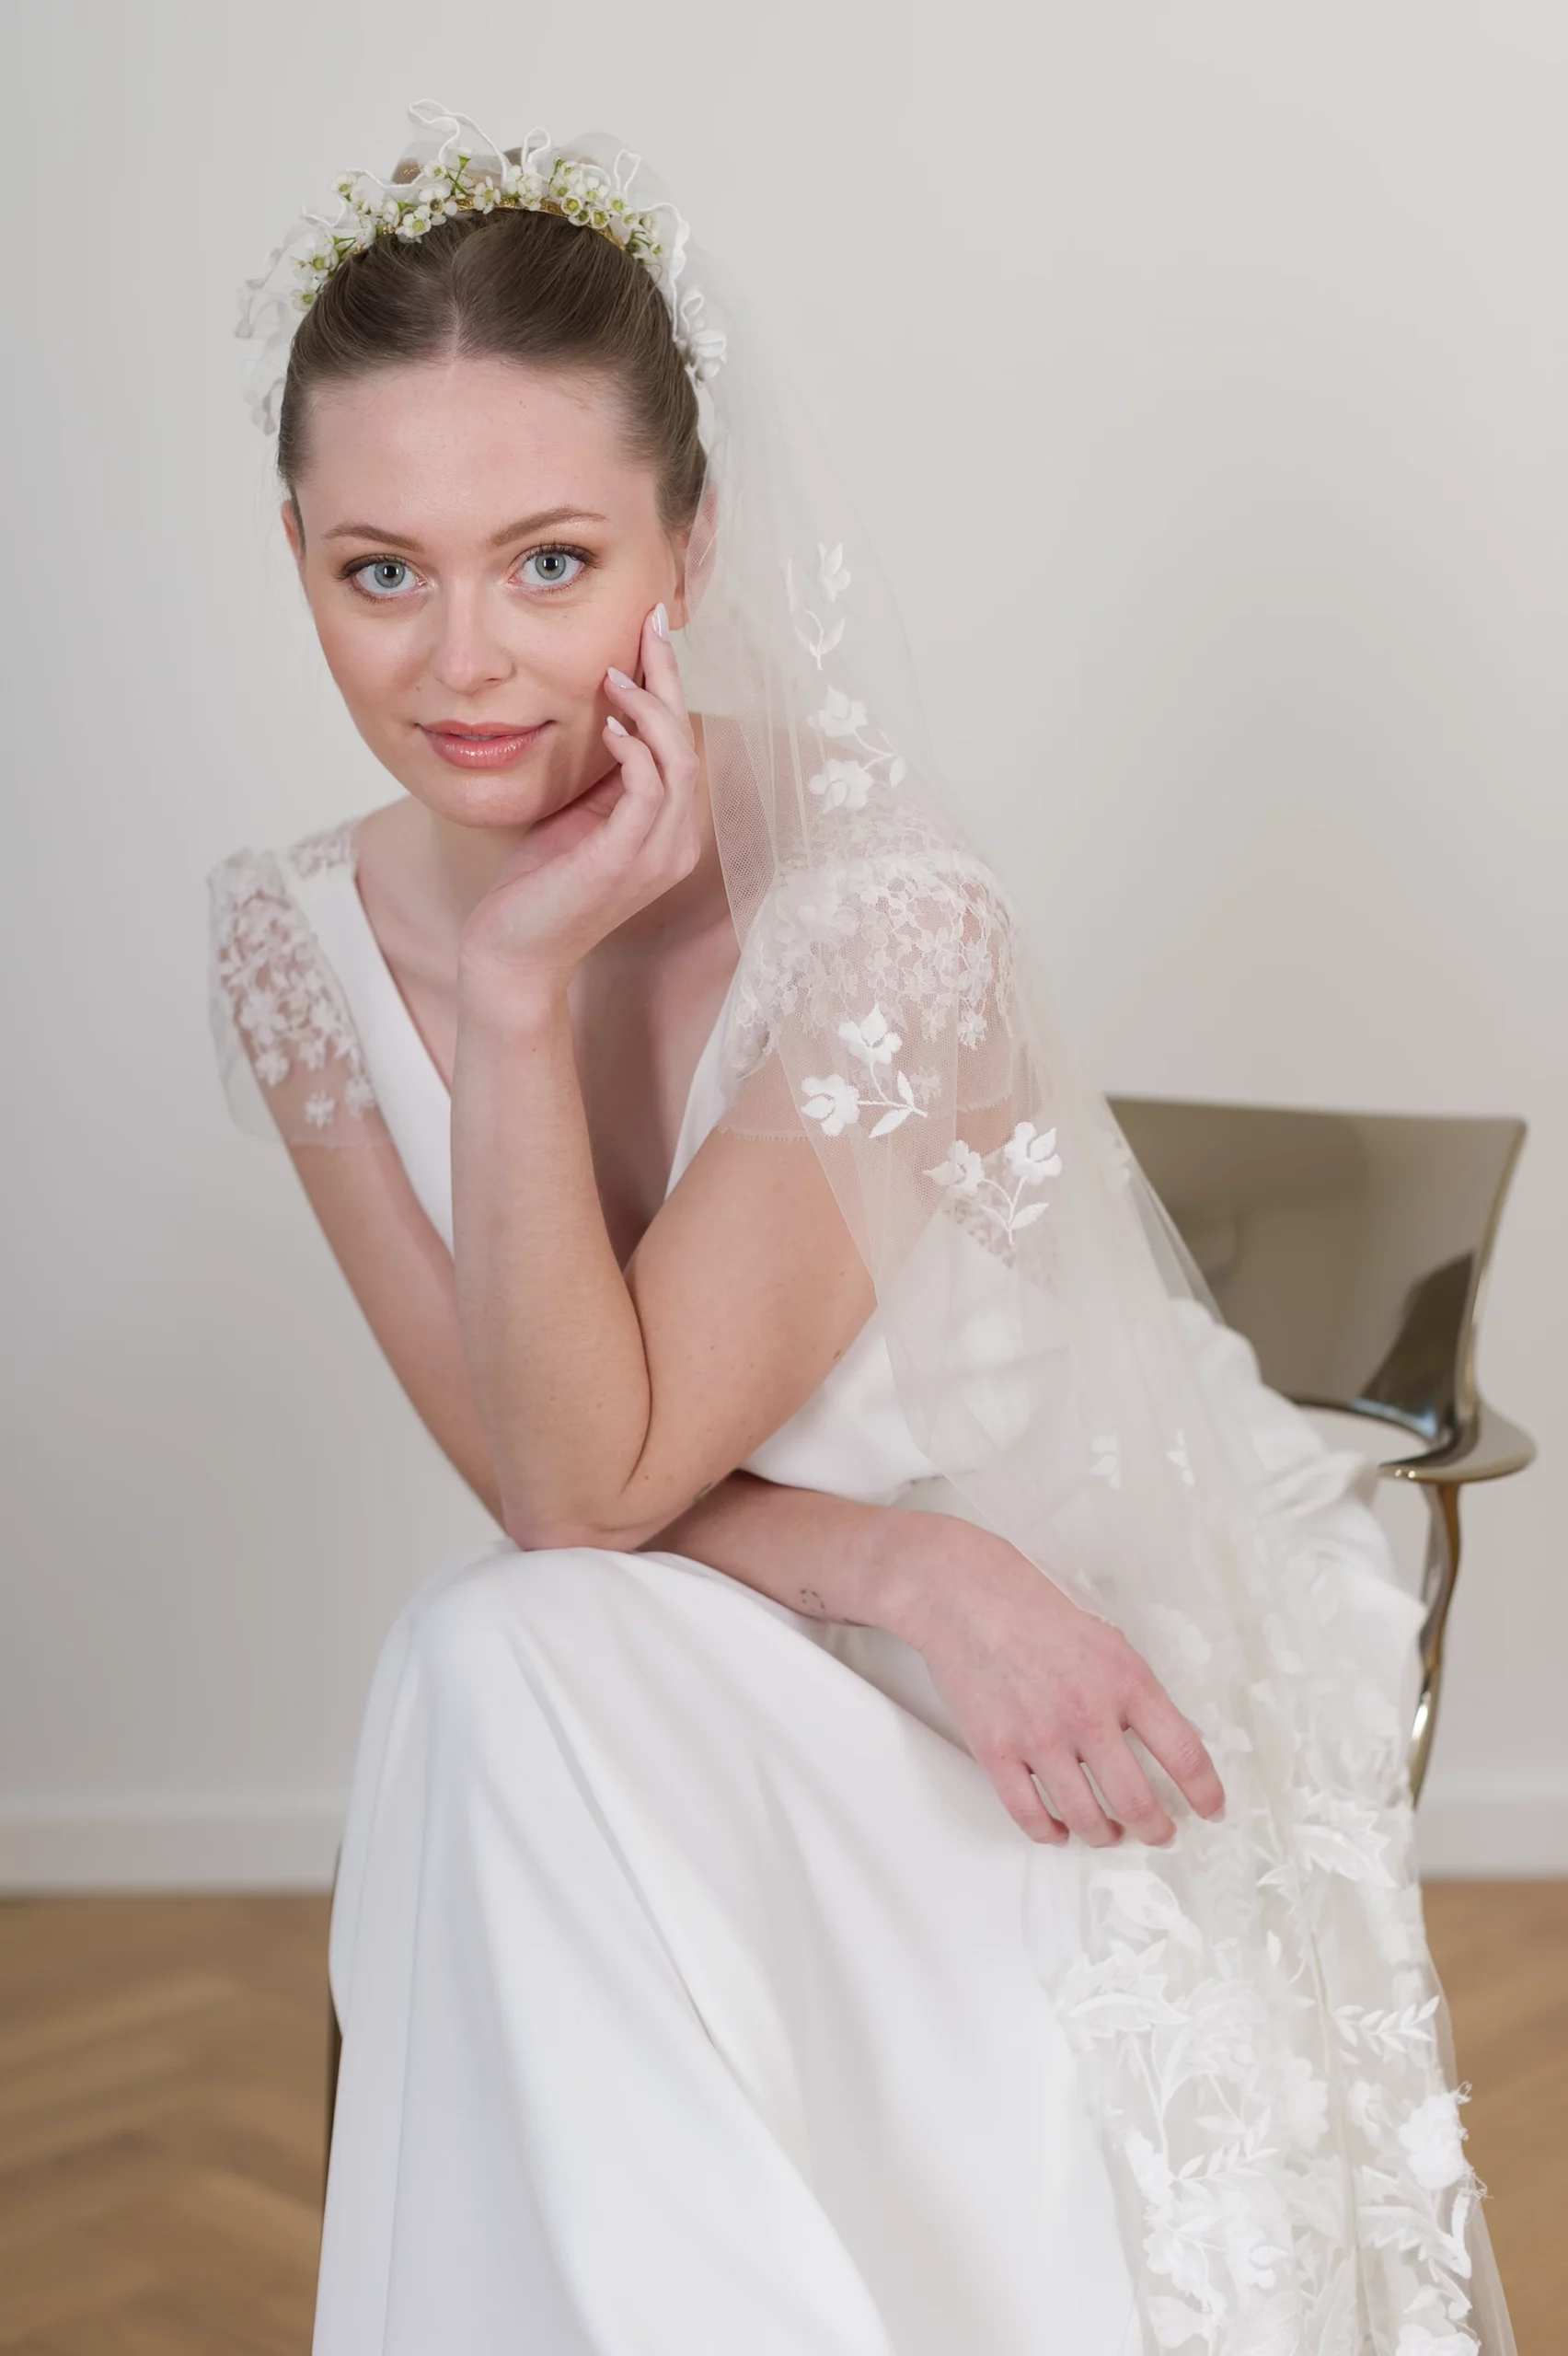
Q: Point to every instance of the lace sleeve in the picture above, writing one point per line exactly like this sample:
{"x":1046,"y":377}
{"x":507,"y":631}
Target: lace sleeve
{"x":288,"y":1053}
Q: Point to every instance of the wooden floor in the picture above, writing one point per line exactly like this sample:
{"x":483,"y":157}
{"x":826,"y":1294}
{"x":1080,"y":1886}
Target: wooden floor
{"x":161,"y":2092}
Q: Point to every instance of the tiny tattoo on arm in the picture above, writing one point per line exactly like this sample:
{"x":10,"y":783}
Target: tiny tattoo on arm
{"x":814,"y":1602}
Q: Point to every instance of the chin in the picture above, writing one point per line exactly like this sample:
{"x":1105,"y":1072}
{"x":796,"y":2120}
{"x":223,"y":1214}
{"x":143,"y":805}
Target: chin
{"x":500,"y":799}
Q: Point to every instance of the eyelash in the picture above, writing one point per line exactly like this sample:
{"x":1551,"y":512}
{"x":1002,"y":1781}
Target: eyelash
{"x":549,"y":547}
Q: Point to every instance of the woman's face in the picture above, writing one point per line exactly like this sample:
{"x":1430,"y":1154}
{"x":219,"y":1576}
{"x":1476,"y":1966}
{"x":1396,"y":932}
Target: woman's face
{"x":478,"y":548}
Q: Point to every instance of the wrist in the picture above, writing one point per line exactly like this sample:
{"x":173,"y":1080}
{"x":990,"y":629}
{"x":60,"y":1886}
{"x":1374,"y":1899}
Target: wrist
{"x":910,"y":1558}
{"x":502,"y":1002}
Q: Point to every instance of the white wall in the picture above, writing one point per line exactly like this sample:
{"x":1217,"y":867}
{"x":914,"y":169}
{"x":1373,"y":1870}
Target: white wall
{"x":1214,"y":355}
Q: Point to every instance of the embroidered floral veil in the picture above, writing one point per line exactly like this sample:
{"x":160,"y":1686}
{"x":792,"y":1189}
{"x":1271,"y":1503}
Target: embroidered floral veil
{"x":1264,"y":2041}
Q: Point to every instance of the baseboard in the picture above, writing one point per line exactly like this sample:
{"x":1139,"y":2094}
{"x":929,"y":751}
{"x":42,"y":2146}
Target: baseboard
{"x":166,"y":1842}
{"x":1466,"y":1831}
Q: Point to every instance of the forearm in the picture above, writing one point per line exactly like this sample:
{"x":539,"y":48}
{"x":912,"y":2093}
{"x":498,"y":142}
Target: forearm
{"x":829,"y":1556}
{"x":549,"y":1329}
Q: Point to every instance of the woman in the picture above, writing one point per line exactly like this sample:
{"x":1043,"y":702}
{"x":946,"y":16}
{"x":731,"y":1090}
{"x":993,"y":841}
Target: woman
{"x":736,"y":1222}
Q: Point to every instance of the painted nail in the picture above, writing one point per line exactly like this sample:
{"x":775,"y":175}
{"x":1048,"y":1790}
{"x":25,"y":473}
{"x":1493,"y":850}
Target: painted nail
{"x":660,"y":619}
{"x":612,"y":724}
{"x":619,"y":677}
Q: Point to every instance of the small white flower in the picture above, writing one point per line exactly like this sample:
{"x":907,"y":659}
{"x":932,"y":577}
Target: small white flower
{"x":707,"y":347}
{"x":258,"y":1014}
{"x":1177,"y":2324}
{"x":843,"y":785}
{"x":1105,"y":1459}
{"x":963,"y":1170}
{"x":1185,"y":1640}
{"x":833,"y":1102}
{"x":1364,"y":2103}
{"x":831,"y":571}
{"x":840,"y":716}
{"x":1435,"y":2141}
{"x":1179,"y":2257}
{"x":318,"y":1110}
{"x":871,"y":1038}
{"x":1419,"y":2340}
{"x":1030,"y":1153}
{"x":272,"y":1065}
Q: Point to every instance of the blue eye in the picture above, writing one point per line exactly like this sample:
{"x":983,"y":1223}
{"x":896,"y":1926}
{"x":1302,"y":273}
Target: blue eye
{"x":552,"y":562}
{"x":376,"y":570}
{"x":385,"y":579}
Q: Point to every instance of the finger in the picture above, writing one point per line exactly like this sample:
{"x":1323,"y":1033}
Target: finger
{"x":667,"y":845}
{"x":1128,"y":1794}
{"x":1179,"y":1748}
{"x":1071,"y":1797}
{"x":668,"y":732}
{"x":1018,"y":1793}
{"x":661,"y":670}
{"x":629,"y":824}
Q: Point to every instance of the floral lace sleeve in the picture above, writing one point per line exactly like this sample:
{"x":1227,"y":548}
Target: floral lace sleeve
{"x":288,"y":1053}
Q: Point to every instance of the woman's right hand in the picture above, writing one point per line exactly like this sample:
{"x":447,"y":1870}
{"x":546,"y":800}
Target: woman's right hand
{"x":1036,"y":1682}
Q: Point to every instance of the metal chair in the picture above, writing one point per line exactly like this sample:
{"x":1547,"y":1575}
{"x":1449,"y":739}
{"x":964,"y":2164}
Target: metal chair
{"x":1351,"y":1249}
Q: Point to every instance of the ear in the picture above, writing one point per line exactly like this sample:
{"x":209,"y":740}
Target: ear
{"x":697,"y":546}
{"x":292,"y":532}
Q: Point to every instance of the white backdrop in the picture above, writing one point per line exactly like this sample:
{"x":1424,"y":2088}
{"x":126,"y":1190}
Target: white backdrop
{"x":1221,"y":348}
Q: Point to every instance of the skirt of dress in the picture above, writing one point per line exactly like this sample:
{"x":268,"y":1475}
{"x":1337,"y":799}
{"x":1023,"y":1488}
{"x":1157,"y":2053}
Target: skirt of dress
{"x":687,"y":2008}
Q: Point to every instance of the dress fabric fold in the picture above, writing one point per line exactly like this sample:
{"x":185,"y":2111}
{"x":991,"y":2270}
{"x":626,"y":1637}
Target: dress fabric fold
{"x":687,"y":1961}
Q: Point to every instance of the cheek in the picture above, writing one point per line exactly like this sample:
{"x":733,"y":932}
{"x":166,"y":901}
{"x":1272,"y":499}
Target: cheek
{"x":367,"y":662}
{"x":576,"y":651}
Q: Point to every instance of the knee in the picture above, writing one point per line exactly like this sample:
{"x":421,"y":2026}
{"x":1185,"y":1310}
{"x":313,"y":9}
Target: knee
{"x":471,"y":1629}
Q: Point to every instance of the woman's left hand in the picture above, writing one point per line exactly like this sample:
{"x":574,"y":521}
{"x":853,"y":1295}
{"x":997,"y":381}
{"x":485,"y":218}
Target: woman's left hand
{"x":591,"y":866}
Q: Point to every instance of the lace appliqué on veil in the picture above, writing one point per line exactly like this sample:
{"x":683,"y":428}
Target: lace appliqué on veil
{"x":1254,"y":2008}
{"x":273,"y":998}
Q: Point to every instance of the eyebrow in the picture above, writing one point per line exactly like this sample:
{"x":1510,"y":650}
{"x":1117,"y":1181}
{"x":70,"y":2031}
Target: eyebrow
{"x":517,"y":531}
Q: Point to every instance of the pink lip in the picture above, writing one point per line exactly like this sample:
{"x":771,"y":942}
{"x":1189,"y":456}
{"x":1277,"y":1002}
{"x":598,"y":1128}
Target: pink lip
{"x":464,"y":750}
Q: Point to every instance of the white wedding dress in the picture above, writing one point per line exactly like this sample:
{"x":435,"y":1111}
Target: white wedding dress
{"x":680,"y":1945}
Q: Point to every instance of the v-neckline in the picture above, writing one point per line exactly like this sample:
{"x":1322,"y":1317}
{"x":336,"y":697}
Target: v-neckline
{"x":388,"y":982}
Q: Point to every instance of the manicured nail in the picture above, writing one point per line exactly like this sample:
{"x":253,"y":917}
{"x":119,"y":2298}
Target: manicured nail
{"x":619,"y":677}
{"x":660,"y":619}
{"x":612,"y":724}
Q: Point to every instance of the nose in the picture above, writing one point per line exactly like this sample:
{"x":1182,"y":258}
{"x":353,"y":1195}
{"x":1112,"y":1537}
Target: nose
{"x":471,"y":649}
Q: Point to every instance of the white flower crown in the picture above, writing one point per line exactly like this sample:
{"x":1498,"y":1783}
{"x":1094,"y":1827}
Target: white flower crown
{"x":469,"y":174}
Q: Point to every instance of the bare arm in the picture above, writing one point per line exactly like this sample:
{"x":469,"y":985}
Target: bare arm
{"x":1032,"y":1680}
{"x":614,"y":1398}
{"x":401,"y":1275}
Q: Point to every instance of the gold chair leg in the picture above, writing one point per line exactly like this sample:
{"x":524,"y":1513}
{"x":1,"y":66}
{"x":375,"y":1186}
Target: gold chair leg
{"x":334,"y":2059}
{"x":1437,"y":1593}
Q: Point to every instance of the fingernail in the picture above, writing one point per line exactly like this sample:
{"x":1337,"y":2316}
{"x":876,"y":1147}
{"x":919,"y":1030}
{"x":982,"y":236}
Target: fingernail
{"x":660,"y":619}
{"x":612,"y":724}
{"x":619,"y":677}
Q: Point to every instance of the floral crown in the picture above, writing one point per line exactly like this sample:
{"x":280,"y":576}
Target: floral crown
{"x":468,"y":174}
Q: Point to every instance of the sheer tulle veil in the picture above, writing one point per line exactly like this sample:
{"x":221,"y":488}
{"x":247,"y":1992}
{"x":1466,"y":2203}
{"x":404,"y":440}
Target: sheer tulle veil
{"x":1263,"y":2040}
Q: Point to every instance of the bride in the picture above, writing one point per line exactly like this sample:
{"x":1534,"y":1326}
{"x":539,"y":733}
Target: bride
{"x":902,"y":1848}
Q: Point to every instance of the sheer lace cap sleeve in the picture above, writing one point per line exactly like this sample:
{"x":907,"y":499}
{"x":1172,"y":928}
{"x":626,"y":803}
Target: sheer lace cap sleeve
{"x":289,"y":1054}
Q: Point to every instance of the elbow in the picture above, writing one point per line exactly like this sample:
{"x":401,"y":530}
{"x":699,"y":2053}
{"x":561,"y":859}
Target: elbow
{"x":533,"y":1532}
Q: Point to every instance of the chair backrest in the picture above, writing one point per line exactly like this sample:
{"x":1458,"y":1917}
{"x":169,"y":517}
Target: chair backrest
{"x":1350,"y":1248}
